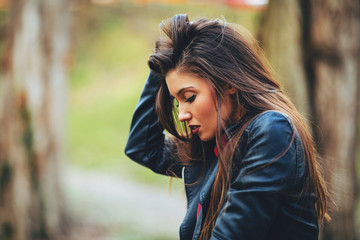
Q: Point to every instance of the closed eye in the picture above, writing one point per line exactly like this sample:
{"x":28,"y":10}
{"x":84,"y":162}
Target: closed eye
{"x":190,"y":99}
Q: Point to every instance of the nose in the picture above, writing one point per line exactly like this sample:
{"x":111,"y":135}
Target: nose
{"x":184,"y":115}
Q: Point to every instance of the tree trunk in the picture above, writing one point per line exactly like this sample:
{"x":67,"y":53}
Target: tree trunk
{"x":329,"y":53}
{"x":281,"y":35}
{"x":334,"y":40}
{"x":32,"y":109}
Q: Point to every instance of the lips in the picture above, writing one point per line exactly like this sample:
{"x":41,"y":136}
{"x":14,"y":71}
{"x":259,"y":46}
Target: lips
{"x":194,"y":129}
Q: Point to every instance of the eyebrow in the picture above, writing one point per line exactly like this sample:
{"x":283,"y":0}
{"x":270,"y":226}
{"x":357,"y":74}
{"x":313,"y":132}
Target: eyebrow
{"x":184,"y":88}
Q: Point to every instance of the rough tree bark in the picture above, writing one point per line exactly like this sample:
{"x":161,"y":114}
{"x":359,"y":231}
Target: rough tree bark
{"x":325,"y":45}
{"x":32,"y":107}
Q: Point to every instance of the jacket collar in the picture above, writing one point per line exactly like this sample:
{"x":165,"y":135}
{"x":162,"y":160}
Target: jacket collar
{"x":232,"y":129}
{"x":228,"y":133}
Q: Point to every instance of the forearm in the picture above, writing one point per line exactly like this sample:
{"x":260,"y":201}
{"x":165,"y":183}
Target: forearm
{"x":146,"y":142}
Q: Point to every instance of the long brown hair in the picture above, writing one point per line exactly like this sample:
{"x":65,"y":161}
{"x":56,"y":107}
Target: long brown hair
{"x":225,"y":55}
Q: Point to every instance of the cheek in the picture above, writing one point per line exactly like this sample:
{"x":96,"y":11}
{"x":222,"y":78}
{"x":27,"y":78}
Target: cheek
{"x":206,"y":110}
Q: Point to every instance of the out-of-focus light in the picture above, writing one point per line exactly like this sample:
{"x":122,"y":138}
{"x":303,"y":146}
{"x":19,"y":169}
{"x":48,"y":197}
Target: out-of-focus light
{"x":249,"y":4}
{"x":104,"y":2}
{"x":256,"y":2}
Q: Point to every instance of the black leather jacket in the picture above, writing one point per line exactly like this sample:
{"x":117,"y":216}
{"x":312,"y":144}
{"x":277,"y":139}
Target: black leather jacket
{"x":264,"y":200}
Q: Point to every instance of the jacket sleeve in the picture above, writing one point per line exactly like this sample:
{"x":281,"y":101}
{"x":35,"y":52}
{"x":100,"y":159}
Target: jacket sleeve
{"x":270,"y":173}
{"x":146,"y":143}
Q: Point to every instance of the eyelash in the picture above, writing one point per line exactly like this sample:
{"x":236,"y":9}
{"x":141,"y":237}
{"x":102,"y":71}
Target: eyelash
{"x":189,"y":100}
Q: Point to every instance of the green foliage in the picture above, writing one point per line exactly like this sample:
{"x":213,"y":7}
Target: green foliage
{"x":133,"y":233}
{"x":112,"y":48}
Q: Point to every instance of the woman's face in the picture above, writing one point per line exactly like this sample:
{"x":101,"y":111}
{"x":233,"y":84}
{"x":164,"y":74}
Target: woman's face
{"x":197,"y":104}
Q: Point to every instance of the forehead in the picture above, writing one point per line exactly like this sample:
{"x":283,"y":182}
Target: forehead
{"x":177,"y":81}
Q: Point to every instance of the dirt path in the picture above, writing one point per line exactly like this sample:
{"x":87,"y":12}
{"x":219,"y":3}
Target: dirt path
{"x":108,"y":207}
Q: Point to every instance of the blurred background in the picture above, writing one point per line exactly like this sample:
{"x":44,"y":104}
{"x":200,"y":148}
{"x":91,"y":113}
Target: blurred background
{"x":72,"y":72}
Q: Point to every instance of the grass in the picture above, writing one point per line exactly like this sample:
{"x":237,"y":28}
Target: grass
{"x":110,"y":55}
{"x":112,"y":48}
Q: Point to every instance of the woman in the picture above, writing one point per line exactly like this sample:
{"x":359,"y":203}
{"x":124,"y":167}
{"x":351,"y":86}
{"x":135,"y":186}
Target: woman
{"x":243,"y":150}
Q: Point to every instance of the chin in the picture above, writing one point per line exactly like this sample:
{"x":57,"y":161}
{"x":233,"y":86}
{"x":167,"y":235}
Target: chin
{"x":206,"y":138}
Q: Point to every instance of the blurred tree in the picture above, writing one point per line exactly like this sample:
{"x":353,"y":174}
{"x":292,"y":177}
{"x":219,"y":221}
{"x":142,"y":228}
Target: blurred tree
{"x":315,"y":48}
{"x":32,"y":107}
